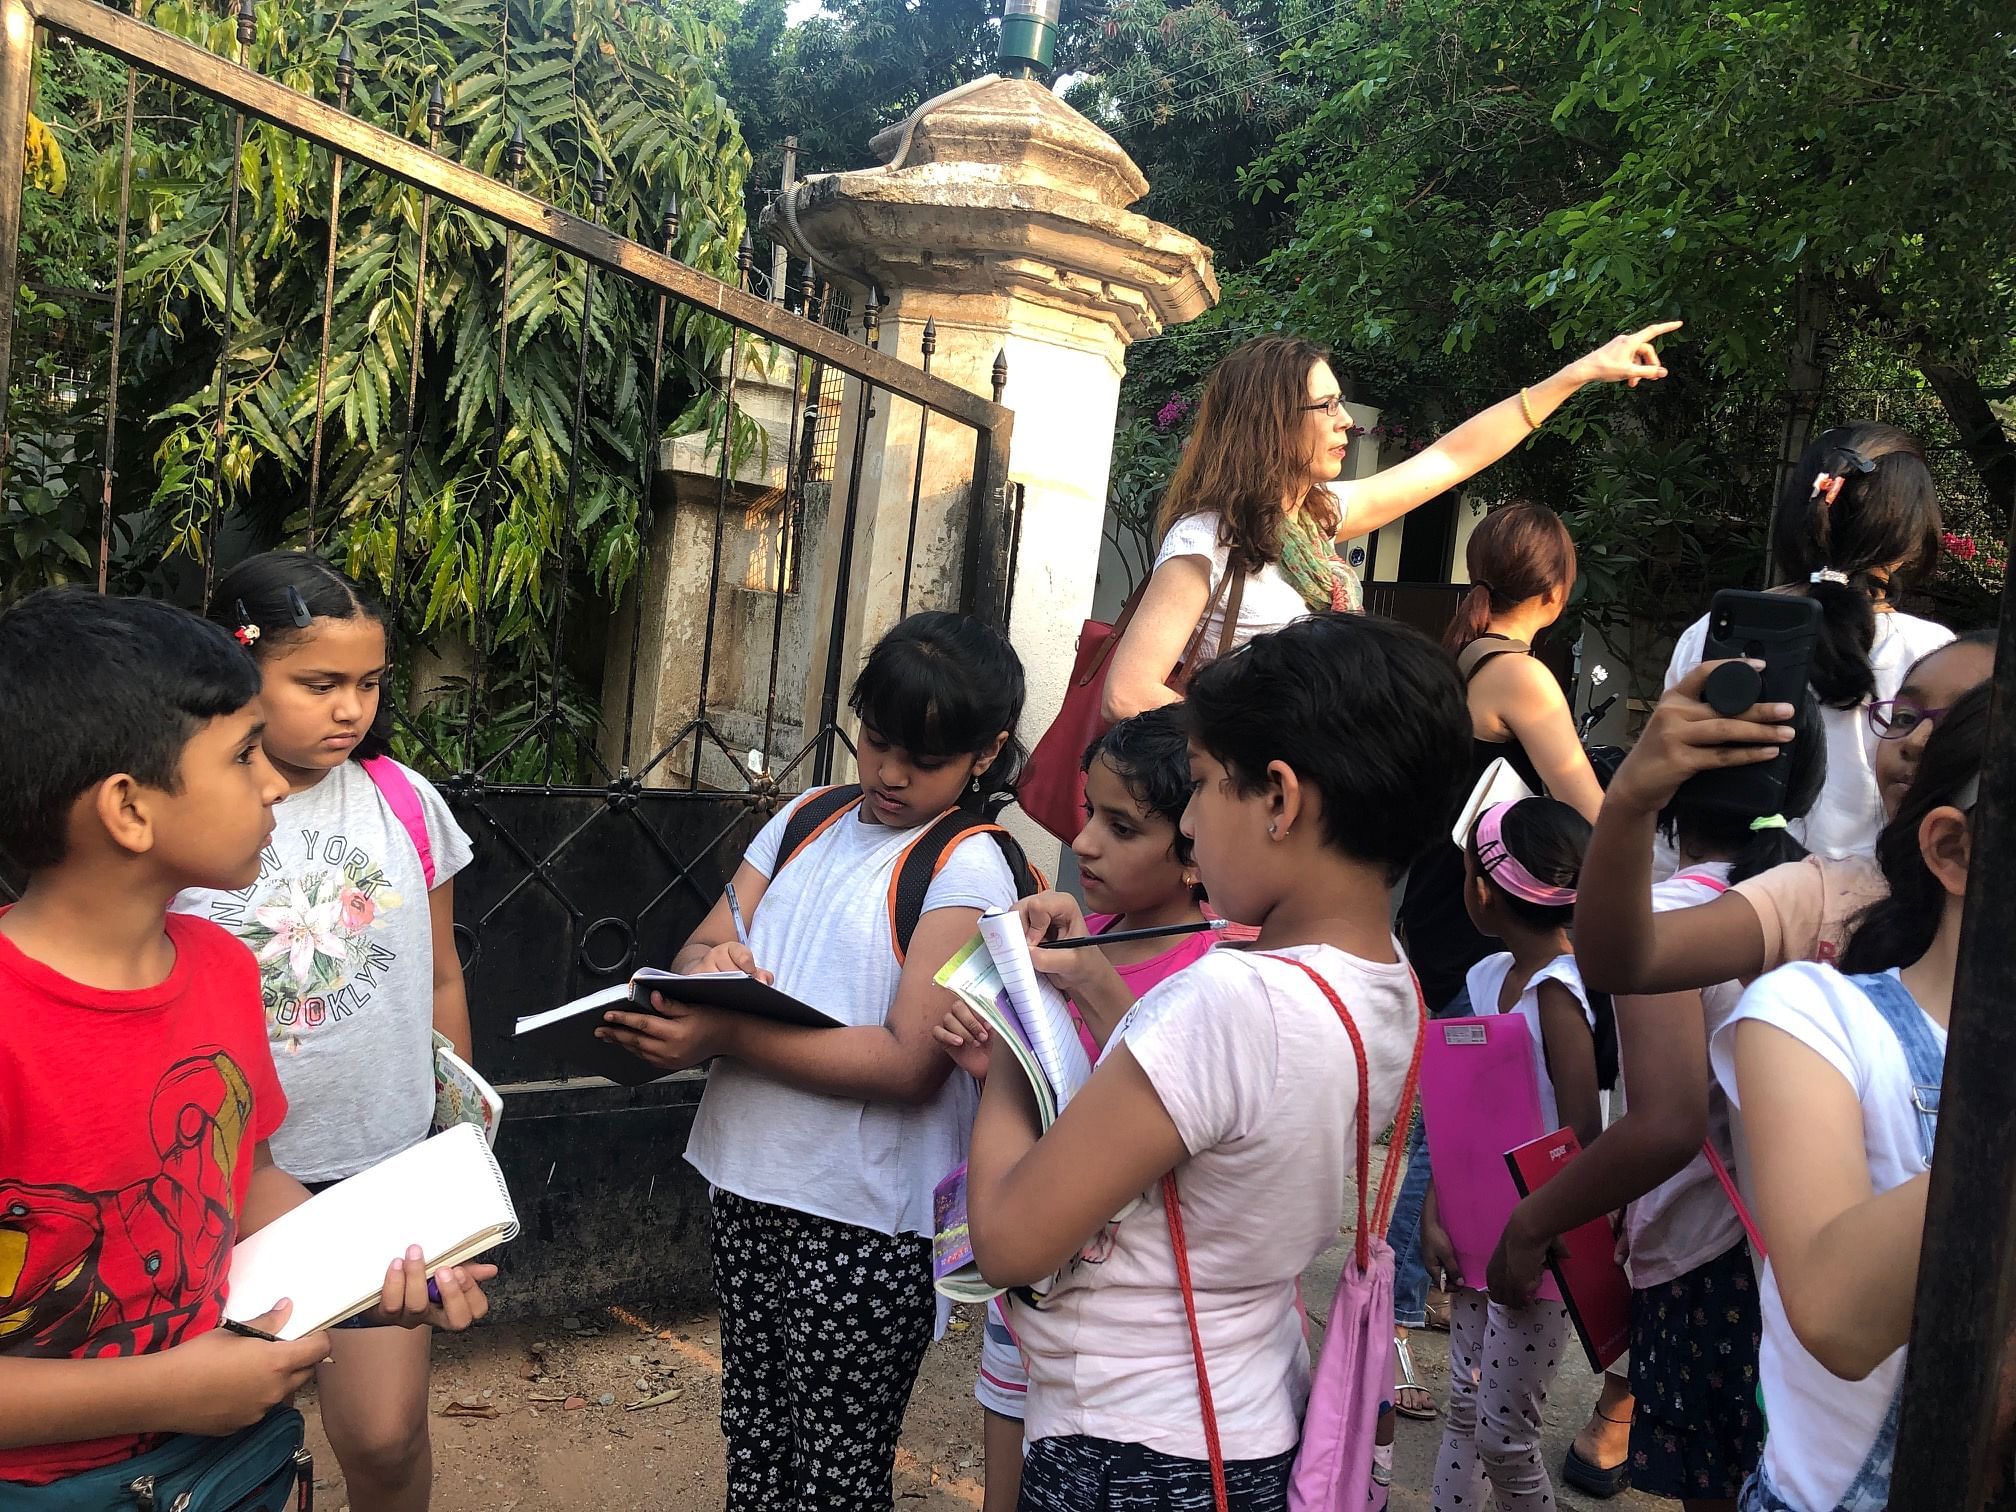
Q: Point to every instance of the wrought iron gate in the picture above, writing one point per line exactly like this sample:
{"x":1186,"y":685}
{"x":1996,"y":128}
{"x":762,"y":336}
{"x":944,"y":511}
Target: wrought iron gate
{"x":599,"y":840}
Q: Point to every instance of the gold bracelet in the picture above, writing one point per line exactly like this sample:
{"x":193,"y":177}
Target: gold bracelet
{"x":1527,"y":410}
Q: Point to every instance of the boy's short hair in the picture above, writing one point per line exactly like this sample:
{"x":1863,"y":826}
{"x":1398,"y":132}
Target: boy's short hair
{"x":91,"y":686}
{"x":1366,"y":710}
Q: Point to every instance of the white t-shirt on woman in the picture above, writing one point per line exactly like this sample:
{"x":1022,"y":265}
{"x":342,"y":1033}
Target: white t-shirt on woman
{"x":1253,"y":1068}
{"x":1822,"y":1426}
{"x":1270,"y":600}
{"x":1846,"y":817}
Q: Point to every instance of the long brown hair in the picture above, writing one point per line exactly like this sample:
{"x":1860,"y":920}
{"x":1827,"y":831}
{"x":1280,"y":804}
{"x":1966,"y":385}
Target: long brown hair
{"x":1515,"y":554}
{"x":1246,"y":454}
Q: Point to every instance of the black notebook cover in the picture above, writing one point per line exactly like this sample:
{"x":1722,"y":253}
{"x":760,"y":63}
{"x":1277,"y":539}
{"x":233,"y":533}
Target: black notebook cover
{"x":568,"y":1033}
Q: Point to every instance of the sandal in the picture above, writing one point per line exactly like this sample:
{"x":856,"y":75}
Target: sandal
{"x":1410,"y":1382}
{"x":1595,"y":1480}
{"x":1435,"y":1313}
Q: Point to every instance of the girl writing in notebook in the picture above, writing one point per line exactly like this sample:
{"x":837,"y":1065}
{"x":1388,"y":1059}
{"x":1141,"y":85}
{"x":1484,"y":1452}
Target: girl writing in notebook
{"x":1520,"y":871}
{"x":1836,"y":1074}
{"x":1695,"y":1431}
{"x":1800,"y":911}
{"x":352,"y":921}
{"x":1322,"y":758}
{"x":1136,"y":870}
{"x":822,"y":1146}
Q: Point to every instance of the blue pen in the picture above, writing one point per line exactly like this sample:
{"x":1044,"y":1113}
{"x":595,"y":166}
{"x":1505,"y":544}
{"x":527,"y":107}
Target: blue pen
{"x":735,"y":913}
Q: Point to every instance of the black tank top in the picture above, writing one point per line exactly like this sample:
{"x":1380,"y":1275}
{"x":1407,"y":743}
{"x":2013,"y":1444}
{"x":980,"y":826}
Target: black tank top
{"x":1441,"y":941}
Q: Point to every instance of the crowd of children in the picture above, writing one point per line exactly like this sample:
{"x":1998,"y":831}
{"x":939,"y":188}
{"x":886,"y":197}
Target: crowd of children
{"x":241,"y":908}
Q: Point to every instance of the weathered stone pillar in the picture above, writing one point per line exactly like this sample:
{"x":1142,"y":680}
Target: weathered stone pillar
{"x":1000,"y":216}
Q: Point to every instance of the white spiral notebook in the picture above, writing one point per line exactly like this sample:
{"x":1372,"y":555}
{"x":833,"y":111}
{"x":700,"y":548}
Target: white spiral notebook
{"x":446,"y":1194}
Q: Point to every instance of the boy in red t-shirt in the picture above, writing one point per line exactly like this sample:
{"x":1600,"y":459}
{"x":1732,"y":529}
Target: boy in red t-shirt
{"x":137,"y":1089}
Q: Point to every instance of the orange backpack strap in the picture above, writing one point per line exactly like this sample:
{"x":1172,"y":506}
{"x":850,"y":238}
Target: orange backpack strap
{"x":928,"y":855}
{"x":813,"y":818}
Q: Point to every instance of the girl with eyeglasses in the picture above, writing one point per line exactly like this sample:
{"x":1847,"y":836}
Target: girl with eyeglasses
{"x":1256,"y":496}
{"x":1857,"y":522}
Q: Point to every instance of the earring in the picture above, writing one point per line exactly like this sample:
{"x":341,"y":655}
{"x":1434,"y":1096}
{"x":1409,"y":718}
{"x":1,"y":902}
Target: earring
{"x":976,"y":784}
{"x":1274,"y":831}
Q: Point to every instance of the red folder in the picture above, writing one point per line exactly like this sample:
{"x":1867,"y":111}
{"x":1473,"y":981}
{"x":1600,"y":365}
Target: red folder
{"x":1593,"y":1285}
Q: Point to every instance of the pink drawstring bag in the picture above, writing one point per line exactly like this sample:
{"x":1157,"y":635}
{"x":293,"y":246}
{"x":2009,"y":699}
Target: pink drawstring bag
{"x":1333,"y":1466}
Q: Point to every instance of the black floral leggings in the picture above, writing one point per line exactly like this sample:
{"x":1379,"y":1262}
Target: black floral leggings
{"x":823,"y":1326}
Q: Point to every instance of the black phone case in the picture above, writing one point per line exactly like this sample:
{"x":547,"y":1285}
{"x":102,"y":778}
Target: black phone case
{"x":1778,"y":629}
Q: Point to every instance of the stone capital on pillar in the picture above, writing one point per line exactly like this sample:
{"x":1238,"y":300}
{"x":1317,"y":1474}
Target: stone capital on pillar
{"x":999,"y":213}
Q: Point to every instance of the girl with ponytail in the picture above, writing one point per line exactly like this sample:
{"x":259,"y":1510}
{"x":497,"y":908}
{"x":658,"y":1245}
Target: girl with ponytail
{"x":1837,"y":1075}
{"x":1856,"y":523}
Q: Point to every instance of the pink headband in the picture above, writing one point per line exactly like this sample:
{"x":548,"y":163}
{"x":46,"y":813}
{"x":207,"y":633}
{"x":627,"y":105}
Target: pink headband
{"x":1504,"y":868}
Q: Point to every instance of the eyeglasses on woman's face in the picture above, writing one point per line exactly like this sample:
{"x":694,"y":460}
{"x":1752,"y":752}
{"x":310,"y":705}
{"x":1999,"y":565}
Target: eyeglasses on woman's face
{"x":1332,"y":407}
{"x":1895,"y":718}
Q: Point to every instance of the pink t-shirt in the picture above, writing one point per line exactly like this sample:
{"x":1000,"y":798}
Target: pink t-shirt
{"x":1142,"y":976}
{"x":1259,"y":1078}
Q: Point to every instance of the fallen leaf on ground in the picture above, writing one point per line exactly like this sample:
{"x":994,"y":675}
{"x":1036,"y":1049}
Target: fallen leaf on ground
{"x":469,"y":1409}
{"x":659,"y":1400}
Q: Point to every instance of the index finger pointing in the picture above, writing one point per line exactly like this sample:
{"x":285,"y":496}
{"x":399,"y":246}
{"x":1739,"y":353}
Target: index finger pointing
{"x":1663,"y":328}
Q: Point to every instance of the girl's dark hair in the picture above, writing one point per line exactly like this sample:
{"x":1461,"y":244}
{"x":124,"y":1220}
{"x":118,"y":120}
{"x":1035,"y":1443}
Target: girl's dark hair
{"x":283,"y":593}
{"x":1887,"y":514}
{"x":1711,"y":828}
{"x":1899,"y":929}
{"x":943,"y":684}
{"x":1549,"y":839}
{"x":1245,"y":454}
{"x":1515,"y":554}
{"x":1366,"y":711}
{"x":1151,"y":753}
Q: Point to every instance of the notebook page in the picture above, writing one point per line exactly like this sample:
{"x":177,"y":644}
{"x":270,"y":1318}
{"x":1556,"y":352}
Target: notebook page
{"x":330,"y":1254}
{"x":1039,"y":1005}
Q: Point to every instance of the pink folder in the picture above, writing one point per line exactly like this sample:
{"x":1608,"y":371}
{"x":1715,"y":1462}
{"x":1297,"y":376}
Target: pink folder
{"x":1481,"y":1097}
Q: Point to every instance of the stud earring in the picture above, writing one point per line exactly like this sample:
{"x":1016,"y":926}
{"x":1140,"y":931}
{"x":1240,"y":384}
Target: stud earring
{"x":1274,"y":831}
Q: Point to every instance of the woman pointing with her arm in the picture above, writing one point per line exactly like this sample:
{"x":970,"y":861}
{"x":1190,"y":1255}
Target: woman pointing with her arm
{"x":1256,"y":494}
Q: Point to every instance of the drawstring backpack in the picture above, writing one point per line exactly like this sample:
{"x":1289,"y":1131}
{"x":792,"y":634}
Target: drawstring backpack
{"x":1333,"y":1466}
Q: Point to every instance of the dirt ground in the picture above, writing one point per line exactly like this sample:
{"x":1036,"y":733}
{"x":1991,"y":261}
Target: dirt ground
{"x":551,"y":1415}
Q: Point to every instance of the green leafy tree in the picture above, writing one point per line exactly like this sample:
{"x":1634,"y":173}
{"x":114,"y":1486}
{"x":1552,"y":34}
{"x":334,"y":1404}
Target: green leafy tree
{"x":602,"y":92}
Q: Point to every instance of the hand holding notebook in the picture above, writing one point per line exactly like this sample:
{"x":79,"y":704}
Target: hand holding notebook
{"x":332,"y":1254}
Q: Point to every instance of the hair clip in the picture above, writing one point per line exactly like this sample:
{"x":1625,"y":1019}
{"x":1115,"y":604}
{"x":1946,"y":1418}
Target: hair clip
{"x":245,"y":635}
{"x":1767,"y":822}
{"x":298,"y":607}
{"x":1828,"y":574}
{"x":1827,"y":487}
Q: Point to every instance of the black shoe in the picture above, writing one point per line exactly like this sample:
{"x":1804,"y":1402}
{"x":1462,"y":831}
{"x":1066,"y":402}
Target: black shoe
{"x":1591,"y":1481}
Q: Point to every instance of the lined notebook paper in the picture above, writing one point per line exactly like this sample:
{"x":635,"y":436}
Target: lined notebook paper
{"x":1046,"y":1021}
{"x":330,"y":1254}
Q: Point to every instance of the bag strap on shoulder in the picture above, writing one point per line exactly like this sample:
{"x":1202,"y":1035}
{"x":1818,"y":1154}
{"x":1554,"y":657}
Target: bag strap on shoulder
{"x":926,"y":856}
{"x":813,"y":818}
{"x":1473,"y":656}
{"x":400,"y":796}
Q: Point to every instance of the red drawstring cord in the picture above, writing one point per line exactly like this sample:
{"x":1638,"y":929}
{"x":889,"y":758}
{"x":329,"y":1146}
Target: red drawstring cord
{"x":1211,"y":1445}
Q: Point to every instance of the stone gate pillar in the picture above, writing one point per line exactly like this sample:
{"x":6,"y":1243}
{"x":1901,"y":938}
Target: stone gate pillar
{"x":1000,"y":215}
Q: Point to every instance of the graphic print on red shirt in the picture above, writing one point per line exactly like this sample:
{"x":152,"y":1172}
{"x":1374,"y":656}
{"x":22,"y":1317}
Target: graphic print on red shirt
{"x":128,"y":1123}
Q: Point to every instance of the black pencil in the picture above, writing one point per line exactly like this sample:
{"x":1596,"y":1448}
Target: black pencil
{"x":1121,"y":936}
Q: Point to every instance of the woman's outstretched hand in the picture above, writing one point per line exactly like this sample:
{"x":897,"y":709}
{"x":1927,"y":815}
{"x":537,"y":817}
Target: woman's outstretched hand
{"x":1625,"y":359}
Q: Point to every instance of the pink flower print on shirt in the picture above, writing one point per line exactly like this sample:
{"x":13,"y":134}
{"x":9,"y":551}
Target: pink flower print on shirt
{"x":358,"y":911}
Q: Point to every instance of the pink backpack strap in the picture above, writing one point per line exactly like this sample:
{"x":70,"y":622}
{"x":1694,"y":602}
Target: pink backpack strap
{"x":1713,"y":884}
{"x":400,"y":796}
{"x":1735,"y":1197}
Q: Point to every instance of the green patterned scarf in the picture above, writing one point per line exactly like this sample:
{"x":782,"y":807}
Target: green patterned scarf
{"x":1310,"y":563}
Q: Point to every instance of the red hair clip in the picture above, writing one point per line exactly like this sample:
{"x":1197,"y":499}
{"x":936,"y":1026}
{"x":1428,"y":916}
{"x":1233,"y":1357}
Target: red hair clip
{"x":1827,"y":487}
{"x":245,"y":635}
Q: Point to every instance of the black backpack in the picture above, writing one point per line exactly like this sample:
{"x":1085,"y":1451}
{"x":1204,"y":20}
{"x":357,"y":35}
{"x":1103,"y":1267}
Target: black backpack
{"x":921,"y":860}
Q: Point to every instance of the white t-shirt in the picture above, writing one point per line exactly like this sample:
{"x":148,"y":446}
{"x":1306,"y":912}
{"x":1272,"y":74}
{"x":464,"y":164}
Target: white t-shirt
{"x":1846,"y":817}
{"x":823,"y":927}
{"x":1822,"y":1426}
{"x":339,"y":922}
{"x":1270,"y":600}
{"x":1259,"y":1078}
{"x":1487,"y":980}
{"x":1688,"y":1220}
